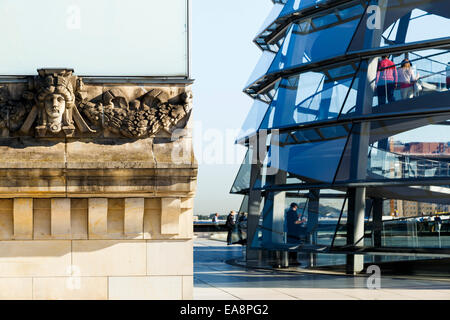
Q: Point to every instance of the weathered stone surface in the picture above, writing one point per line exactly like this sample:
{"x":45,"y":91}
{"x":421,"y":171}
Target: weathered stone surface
{"x":79,"y":218}
{"x":60,"y":218}
{"x":134,"y":218}
{"x":178,"y":263}
{"x":57,"y":103}
{"x":146,"y":288}
{"x":98,"y":217}
{"x":170,"y":215}
{"x":23,"y":218}
{"x":49,"y":258}
{"x":110,"y":257}
{"x":70,"y":288}
{"x":16,"y":288}
{"x":88,"y":173}
{"x":6,"y":219}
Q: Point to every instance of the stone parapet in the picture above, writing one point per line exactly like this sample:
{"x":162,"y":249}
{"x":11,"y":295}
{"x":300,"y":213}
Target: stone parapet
{"x":96,"y":189}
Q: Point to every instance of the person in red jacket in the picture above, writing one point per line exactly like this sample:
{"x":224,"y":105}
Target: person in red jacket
{"x":387,"y":79}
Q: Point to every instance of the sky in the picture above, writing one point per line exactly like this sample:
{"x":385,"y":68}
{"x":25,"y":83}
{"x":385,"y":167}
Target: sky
{"x":223,"y":57}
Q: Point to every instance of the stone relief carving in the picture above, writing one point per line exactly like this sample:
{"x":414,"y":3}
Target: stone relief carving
{"x":57,"y":101}
{"x":139,"y":118}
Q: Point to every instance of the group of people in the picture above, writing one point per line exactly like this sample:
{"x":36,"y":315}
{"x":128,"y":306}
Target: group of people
{"x":234,"y":221}
{"x":404,"y":78}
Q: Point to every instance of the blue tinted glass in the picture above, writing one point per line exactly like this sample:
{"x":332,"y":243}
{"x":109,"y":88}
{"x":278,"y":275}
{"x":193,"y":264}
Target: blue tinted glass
{"x":261,"y":67}
{"x":316,"y":161}
{"x":253,"y":120}
{"x":305,"y":43}
{"x":404,"y":22}
{"x":296,"y":5}
{"x":274,"y":13}
{"x":242,"y":181}
{"x":310,"y":96}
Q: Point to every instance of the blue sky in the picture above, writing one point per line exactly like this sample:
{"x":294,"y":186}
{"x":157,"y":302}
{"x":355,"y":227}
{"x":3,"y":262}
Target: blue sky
{"x":223,"y":57}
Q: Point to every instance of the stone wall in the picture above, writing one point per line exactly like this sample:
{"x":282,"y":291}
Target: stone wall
{"x":96,"y":248}
{"x":96,"y":203}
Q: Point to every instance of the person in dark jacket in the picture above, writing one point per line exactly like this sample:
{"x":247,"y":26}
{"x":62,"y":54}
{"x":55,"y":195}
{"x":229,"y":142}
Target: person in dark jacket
{"x":230,"y":226}
{"x":293,"y":230}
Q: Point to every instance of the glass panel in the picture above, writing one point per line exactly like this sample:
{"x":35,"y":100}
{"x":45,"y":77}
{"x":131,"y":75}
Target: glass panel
{"x":274,"y":13}
{"x":411,"y":75}
{"x":402,"y":149}
{"x":310,"y":96}
{"x":413,"y":224}
{"x":253,"y":120}
{"x":102,"y":37}
{"x":310,"y":161}
{"x":316,"y":38}
{"x":261,"y":67}
{"x":296,"y":5}
{"x":405,"y":21}
{"x":242,"y":181}
{"x":302,"y":221}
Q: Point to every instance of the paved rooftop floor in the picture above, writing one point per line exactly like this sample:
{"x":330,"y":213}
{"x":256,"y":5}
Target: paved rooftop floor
{"x":214,"y":279}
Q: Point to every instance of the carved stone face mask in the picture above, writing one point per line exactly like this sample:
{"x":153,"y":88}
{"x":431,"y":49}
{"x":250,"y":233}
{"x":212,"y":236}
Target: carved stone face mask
{"x":55,"y":104}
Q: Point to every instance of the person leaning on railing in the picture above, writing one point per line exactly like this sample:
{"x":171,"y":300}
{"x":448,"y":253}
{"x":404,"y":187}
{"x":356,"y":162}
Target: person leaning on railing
{"x":387,"y":79}
{"x":407,"y":79}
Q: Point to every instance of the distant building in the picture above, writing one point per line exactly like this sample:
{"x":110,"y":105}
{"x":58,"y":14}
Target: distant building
{"x":427,"y":150}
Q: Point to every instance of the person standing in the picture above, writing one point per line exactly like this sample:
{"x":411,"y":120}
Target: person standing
{"x":387,"y":78}
{"x":406,"y":79}
{"x":215,"y":220}
{"x":241,"y":225}
{"x":230,"y":227}
{"x":293,"y":226}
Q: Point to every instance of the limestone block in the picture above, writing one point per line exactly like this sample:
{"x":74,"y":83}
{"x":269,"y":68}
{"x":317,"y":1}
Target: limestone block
{"x":79,"y":218}
{"x":152,"y":223}
{"x":187,"y":203}
{"x":134,"y":217}
{"x":152,"y":203}
{"x":175,"y":185}
{"x":145,"y":288}
{"x":16,"y":288}
{"x":188,"y":287}
{"x":26,"y":152}
{"x":109,"y":257}
{"x":98,"y":217}
{"x":116,"y":215}
{"x":110,"y":153}
{"x":70,"y":288}
{"x":178,"y":152}
{"x":23,"y":218}
{"x":187,"y":224}
{"x":42,"y":219}
{"x":6,"y":219}
{"x":174,"y":258}
{"x":60,"y":218}
{"x":44,"y":258}
{"x":170,"y":215}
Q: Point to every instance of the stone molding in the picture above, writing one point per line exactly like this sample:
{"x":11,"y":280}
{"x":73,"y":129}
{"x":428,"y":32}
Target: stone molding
{"x":57,"y":103}
{"x":96,"y":219}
